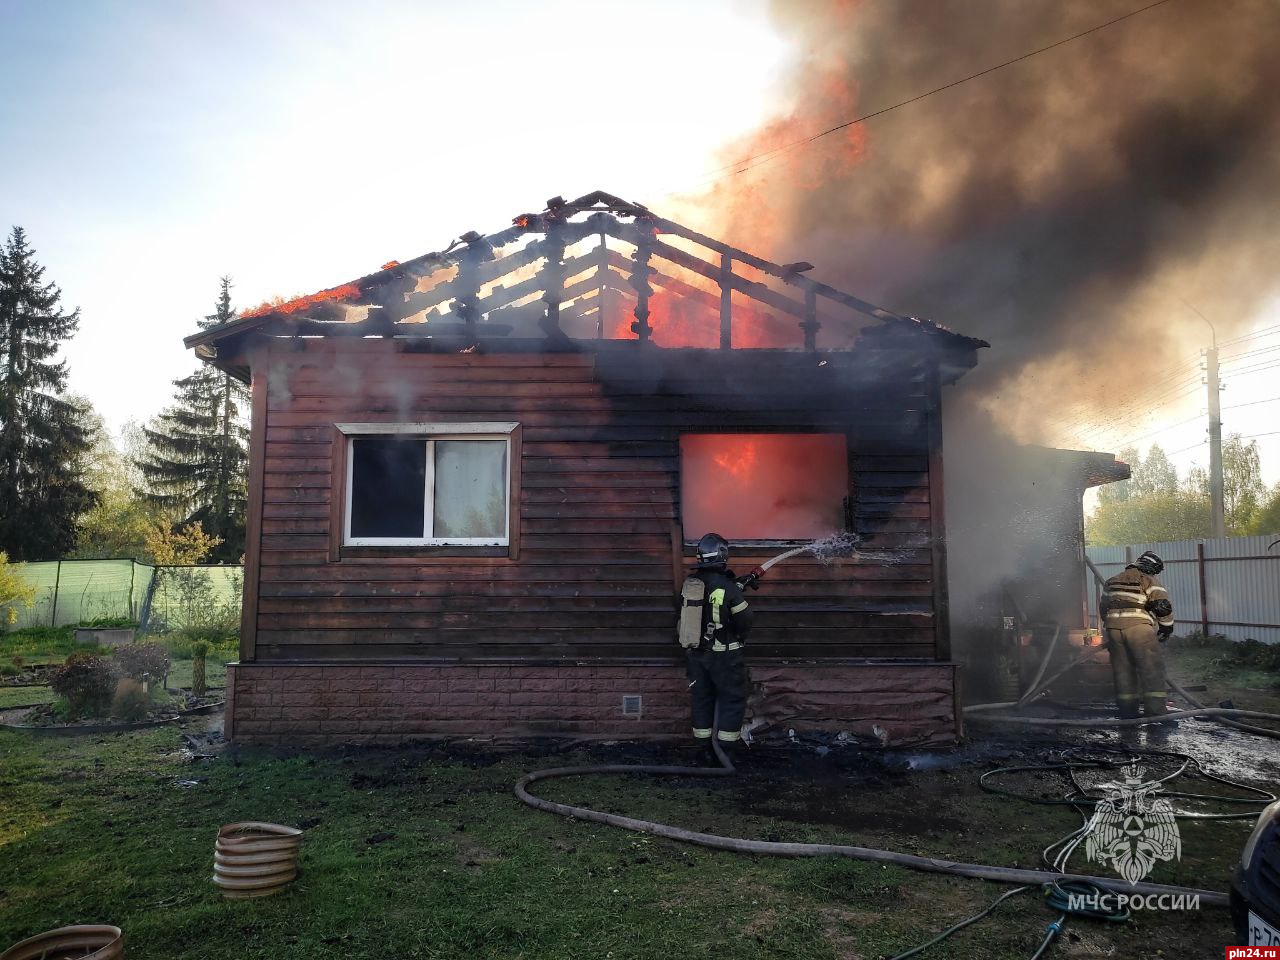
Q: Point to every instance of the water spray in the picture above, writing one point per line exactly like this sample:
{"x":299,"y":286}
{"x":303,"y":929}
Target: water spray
{"x":838,"y":546}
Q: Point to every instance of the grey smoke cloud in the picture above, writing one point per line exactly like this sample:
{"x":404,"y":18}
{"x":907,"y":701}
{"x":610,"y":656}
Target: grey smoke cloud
{"x":1059,"y":207}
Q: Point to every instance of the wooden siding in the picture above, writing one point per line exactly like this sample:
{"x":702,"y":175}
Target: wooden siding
{"x":598,"y":502}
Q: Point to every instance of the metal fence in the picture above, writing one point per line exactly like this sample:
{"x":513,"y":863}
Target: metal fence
{"x":160,"y":599}
{"x":1229,"y":586}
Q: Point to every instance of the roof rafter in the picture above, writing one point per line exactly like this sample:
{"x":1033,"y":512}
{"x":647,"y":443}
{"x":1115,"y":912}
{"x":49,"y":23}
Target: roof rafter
{"x":540,"y":266}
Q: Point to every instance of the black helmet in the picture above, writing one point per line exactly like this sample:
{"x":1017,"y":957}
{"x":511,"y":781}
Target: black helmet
{"x":1149,"y":564}
{"x":713,"y":550}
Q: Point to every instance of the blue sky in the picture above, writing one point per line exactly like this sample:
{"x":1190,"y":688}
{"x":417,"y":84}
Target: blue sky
{"x":148,"y":148}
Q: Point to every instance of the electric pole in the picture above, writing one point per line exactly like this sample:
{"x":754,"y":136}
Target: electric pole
{"x":1217,"y":512}
{"x":1216,"y":508}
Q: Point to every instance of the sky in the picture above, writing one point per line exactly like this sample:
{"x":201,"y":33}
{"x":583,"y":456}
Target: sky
{"x":1173,"y":412}
{"x":149,"y":148}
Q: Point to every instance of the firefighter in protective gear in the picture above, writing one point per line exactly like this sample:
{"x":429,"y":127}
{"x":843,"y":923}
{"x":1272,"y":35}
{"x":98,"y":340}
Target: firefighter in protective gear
{"x":717,"y":668}
{"x":1136,"y":612}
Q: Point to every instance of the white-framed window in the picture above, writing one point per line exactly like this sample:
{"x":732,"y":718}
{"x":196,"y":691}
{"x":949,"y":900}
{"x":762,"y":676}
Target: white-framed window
{"x":427,"y":484}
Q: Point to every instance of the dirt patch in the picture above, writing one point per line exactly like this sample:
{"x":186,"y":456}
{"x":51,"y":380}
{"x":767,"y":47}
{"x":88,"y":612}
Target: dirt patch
{"x":847,"y":799}
{"x":841,"y":929}
{"x":31,"y":675}
{"x":472,"y":855}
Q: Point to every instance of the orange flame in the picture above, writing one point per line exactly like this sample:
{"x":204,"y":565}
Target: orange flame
{"x":679,"y":321}
{"x":347,"y":291}
{"x":763,"y":486}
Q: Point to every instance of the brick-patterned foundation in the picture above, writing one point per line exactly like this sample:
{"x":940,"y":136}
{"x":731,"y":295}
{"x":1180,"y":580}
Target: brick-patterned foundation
{"x":309,"y":704}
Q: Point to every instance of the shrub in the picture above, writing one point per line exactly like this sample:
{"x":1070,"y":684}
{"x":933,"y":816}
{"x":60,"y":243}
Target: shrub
{"x":147,"y":662}
{"x":15,"y":592}
{"x":1255,"y":653}
{"x":87,"y":682}
{"x":130,"y":701}
{"x":199,"y":650}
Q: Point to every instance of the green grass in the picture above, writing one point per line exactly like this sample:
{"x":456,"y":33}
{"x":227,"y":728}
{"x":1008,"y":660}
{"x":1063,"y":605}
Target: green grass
{"x":1217,"y":663}
{"x":21,"y":696}
{"x":215,"y":673}
{"x":39,"y":645}
{"x":99,"y":830}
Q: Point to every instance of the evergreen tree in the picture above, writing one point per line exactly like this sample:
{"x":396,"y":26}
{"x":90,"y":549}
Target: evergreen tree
{"x":196,"y":464}
{"x":44,"y":437}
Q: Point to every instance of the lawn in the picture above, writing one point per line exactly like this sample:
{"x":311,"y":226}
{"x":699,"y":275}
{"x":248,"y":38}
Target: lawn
{"x":43,"y":645}
{"x":424,"y":852}
{"x":22,"y":696}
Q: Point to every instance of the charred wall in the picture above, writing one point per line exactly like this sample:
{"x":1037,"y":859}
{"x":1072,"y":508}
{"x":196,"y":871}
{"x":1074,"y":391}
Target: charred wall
{"x":598,"y":550}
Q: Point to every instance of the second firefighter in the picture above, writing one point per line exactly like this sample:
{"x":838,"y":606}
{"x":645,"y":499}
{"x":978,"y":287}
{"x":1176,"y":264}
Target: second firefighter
{"x":1138,"y":617}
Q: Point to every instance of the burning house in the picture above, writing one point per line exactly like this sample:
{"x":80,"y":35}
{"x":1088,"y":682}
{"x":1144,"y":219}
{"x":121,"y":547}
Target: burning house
{"x":476,"y":478}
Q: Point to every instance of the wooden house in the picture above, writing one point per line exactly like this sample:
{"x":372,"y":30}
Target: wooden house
{"x":476,"y":478}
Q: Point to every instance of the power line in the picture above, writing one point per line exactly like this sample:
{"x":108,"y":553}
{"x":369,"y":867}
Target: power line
{"x":1185,"y":449}
{"x":1173,"y":426}
{"x":1250,"y":353}
{"x":1146,"y":402}
{"x":760,"y":158}
{"x":1264,"y":332}
{"x":1131,"y":420}
{"x":1269,"y":365}
{"x":1251,"y":403}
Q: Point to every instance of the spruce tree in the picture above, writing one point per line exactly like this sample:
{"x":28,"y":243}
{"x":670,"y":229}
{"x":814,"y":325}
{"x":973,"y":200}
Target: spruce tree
{"x":196,"y":464}
{"x":44,"y":437}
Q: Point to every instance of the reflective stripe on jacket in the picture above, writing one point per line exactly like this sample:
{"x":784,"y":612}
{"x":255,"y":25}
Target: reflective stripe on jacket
{"x":726,"y":617}
{"x":1128,"y":596}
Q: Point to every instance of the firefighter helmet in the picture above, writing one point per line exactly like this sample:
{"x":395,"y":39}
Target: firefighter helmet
{"x":713,"y":550}
{"x":1149,"y":563}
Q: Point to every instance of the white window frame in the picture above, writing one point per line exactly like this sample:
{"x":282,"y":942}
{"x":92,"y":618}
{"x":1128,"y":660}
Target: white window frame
{"x":429,"y":433}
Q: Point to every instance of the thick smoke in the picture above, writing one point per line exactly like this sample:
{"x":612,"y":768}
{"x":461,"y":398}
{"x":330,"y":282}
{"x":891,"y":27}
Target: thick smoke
{"x":1062,"y":208}
{"x":1059,"y":208}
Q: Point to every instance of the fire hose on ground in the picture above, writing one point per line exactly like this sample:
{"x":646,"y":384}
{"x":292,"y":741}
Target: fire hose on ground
{"x":1058,"y":884}
{"x":775,"y":848}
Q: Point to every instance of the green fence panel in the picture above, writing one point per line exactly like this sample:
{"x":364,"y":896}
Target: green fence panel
{"x":191,"y":597}
{"x":69,"y":592}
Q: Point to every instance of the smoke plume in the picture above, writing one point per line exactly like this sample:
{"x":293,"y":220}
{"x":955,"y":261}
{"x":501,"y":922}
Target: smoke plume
{"x":1061,"y":208}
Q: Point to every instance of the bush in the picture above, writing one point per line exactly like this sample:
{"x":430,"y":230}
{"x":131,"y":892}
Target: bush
{"x":1255,"y":653}
{"x":15,"y":592}
{"x":130,"y":701}
{"x":183,"y":645}
{"x":87,"y":682}
{"x":199,"y":650}
{"x":148,"y":662}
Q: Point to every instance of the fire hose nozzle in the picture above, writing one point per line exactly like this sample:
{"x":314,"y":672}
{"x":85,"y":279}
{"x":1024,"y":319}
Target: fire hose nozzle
{"x":752,"y":579}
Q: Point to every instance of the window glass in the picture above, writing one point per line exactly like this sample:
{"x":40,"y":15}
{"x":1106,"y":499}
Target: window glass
{"x":763,"y":486}
{"x":388,"y":483}
{"x":471,"y":488}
